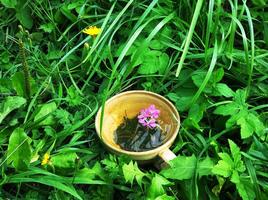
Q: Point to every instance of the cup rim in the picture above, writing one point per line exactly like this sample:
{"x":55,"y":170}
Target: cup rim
{"x":159,"y":149}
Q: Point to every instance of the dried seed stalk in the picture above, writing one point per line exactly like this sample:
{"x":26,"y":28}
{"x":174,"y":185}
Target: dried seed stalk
{"x":25,"y":70}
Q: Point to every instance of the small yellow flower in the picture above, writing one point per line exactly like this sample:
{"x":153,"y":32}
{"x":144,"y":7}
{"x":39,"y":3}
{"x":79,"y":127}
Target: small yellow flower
{"x":45,"y":159}
{"x":92,"y":30}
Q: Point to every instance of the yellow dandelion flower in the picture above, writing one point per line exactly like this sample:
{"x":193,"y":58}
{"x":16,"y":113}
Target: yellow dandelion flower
{"x":92,"y":30}
{"x":45,"y":159}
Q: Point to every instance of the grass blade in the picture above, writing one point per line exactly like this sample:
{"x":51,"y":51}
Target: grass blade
{"x":189,"y":36}
{"x":209,"y":73}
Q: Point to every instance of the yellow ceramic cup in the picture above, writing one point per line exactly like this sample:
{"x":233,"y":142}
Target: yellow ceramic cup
{"x":130,"y":104}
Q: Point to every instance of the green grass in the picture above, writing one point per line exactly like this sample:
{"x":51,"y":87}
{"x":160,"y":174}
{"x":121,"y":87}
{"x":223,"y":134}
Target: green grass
{"x":209,"y":58}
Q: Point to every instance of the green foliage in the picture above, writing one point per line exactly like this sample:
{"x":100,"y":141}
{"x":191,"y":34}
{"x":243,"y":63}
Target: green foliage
{"x":43,"y":115}
{"x":232,"y":166}
{"x":219,"y":51}
{"x":73,"y":97}
{"x":19,"y":149}
{"x":153,"y":61}
{"x":156,"y":189}
{"x":23,"y":14}
{"x":9,"y":104}
{"x":183,"y":167}
{"x":195,"y":115}
{"x":240,"y":115}
{"x":213,"y":87}
{"x":64,"y":161}
{"x":18,"y":84}
{"x":229,"y":166}
{"x":9,"y":3}
{"x":131,"y":172}
{"x":22,"y":11}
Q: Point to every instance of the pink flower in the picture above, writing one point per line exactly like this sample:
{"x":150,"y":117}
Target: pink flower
{"x":148,"y":116}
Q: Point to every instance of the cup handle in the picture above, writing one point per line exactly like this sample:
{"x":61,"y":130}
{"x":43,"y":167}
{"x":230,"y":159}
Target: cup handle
{"x":166,"y":156}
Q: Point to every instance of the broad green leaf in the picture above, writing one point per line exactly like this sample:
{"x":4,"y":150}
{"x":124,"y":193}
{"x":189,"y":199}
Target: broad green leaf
{"x":245,"y":188}
{"x":163,"y":63}
{"x":132,"y":171}
{"x":205,"y":166}
{"x":156,"y":44}
{"x":76,"y":4}
{"x":228,"y":167}
{"x":86,"y":173}
{"x":181,"y":168}
{"x":54,"y":54}
{"x":130,"y":51}
{"x":48,"y":28}
{"x":165,"y":197}
{"x":235,"y":151}
{"x":5,"y":85}
{"x":153,"y":61}
{"x":217,"y":75}
{"x":235,"y":177}
{"x":99,"y":171}
{"x":189,"y":122}
{"x":63,"y":117}
{"x":23,"y":14}
{"x":73,"y":98}
{"x":236,"y":154}
{"x":195,"y":115}
{"x":150,"y":62}
{"x":50,"y":131}
{"x":44,"y":114}
{"x":249,"y":124}
{"x":246,"y":128}
{"x":227,"y":158}
{"x":9,"y":3}
{"x":173,"y":96}
{"x":224,"y":167}
{"x":196,"y":112}
{"x":64,"y":160}
{"x":257,"y":124}
{"x":232,"y":121}
{"x":137,"y":60}
{"x":18,"y":83}
{"x":260,"y":2}
{"x":228,"y":109}
{"x":9,"y":104}
{"x":68,"y":14}
{"x":260,"y":149}
{"x":240,"y":98}
{"x":224,"y":90}
{"x":156,"y":188}
{"x":167,"y":31}
{"x":183,"y":102}
{"x":198,"y":78}
{"x":19,"y":149}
